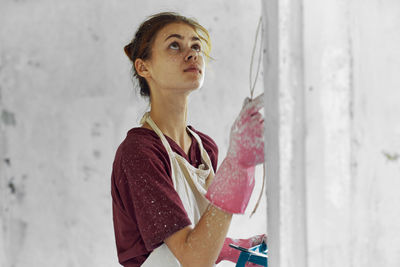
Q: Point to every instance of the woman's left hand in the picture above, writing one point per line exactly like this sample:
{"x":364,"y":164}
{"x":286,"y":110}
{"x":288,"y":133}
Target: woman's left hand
{"x":231,"y":254}
{"x":258,"y":239}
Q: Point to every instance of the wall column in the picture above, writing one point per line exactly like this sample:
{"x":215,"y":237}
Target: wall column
{"x":284,"y":116}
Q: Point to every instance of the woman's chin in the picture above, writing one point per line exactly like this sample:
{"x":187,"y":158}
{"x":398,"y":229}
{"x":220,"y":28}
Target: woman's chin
{"x":194,"y":85}
{"x":197,"y":84}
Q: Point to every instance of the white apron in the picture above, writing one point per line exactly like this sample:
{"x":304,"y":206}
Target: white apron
{"x":191,"y":185}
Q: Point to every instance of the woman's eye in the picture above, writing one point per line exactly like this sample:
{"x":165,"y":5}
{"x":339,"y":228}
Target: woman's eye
{"x":174,"y":45}
{"x":197,"y":47}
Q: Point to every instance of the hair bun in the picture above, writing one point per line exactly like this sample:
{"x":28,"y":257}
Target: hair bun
{"x":128,"y":50}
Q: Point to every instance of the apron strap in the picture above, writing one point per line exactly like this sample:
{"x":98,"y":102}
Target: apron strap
{"x":146,"y":118}
{"x":204,"y":154}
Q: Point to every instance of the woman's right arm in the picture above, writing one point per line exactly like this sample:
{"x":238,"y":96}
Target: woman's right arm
{"x":229,"y":191}
{"x":200,"y":246}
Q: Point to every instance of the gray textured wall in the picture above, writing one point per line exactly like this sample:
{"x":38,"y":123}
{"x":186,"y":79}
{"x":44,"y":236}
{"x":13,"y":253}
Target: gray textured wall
{"x":333,"y":124}
{"x":66,"y":102}
{"x":353,"y":142}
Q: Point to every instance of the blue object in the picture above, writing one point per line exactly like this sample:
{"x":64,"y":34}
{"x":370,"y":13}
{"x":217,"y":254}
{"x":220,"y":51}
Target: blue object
{"x":256,"y":254}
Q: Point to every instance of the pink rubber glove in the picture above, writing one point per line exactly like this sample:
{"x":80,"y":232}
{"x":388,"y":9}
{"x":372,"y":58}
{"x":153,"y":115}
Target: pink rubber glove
{"x":233,"y":183}
{"x":230,"y":254}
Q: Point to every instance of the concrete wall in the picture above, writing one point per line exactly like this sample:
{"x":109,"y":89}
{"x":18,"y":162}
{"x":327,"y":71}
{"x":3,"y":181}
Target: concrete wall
{"x":66,"y":102}
{"x":341,"y":68}
{"x":352,"y":102}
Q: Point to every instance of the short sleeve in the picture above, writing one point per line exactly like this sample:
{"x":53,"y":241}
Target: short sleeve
{"x":156,"y":205}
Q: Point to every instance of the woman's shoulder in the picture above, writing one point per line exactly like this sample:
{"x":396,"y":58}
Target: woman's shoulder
{"x":141,"y":143}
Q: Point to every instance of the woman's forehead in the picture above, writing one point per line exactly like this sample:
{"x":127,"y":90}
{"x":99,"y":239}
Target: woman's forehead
{"x":182,"y":29}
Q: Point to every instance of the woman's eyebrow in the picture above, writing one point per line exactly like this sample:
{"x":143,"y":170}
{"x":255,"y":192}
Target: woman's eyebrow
{"x":194,"y":38}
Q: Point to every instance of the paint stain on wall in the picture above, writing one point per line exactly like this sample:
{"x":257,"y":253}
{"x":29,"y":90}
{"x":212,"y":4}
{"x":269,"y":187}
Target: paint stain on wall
{"x":8,"y":118}
{"x":94,"y":35}
{"x":17,"y":188}
{"x":87,"y":172}
{"x":391,"y":156}
{"x":12,"y":188}
{"x":96,"y":153}
{"x":96,"y":129}
{"x":35,"y":64}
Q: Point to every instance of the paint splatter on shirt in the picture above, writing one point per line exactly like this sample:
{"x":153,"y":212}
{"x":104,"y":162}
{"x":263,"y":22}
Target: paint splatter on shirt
{"x":146,"y":207}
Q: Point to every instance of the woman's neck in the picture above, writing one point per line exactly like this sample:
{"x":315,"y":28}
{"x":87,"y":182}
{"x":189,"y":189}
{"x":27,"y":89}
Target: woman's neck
{"x":169,"y":113}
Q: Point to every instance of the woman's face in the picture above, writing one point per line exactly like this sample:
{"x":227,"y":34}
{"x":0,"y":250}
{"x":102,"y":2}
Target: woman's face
{"x":176,"y":50}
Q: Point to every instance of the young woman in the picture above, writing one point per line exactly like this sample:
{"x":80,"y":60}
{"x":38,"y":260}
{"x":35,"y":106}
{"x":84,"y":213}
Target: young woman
{"x":170,"y":208}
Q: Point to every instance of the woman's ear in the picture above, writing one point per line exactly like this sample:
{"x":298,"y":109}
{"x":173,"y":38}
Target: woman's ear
{"x":141,"y":68}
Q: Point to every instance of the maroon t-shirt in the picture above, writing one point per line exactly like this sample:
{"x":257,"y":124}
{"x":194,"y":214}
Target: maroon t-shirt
{"x":146,"y":207}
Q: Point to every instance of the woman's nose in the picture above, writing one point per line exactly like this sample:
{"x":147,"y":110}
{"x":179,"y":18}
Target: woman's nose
{"x":192,"y":55}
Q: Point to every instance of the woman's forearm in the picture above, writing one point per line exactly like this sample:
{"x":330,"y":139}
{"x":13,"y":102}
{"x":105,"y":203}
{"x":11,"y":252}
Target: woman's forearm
{"x":200,"y":246}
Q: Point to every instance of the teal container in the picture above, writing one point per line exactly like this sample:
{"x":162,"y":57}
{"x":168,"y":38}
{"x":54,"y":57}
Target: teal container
{"x":256,"y":254}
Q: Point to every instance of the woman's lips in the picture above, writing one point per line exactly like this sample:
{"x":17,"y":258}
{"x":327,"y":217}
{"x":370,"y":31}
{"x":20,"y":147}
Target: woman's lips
{"x":192,"y":70}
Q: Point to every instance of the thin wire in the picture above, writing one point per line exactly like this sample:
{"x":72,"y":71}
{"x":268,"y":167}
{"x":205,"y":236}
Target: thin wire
{"x":252,"y":85}
{"x":259,"y":197}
